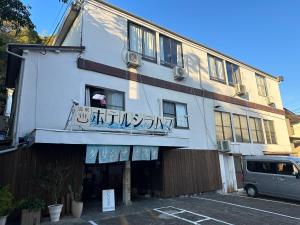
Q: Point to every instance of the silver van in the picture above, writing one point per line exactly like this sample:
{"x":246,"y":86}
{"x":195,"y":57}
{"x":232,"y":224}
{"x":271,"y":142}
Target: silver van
{"x":272,"y":175}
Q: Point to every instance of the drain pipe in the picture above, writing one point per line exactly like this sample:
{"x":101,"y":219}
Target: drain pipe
{"x":15,"y":141}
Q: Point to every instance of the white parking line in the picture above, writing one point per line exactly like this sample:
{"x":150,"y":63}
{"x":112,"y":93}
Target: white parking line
{"x":186,"y":211}
{"x":262,"y":199}
{"x":92,"y":222}
{"x":247,"y":207}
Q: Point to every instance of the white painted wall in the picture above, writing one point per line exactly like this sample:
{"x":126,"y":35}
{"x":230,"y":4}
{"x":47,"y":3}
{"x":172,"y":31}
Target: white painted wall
{"x":51,"y":81}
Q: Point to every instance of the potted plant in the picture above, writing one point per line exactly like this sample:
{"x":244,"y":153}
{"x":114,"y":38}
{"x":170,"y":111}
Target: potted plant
{"x":52,"y":181}
{"x":6,"y":203}
{"x":77,"y":204}
{"x":31,"y":211}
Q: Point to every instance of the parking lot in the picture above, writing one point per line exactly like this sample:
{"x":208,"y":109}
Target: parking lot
{"x":198,"y":209}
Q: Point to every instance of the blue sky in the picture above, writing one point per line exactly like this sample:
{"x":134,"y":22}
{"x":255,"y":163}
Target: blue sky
{"x":262,"y":33}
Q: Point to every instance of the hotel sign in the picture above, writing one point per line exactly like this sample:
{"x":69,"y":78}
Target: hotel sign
{"x":90,"y":118}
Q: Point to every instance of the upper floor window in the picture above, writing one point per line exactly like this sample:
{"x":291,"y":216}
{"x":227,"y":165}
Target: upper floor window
{"x":223,"y":126}
{"x":261,"y":85}
{"x":142,"y":41}
{"x":270,"y":132}
{"x":178,"y":111}
{"x":256,"y":130}
{"x":216,"y":69}
{"x":170,"y":51}
{"x":104,"y":98}
{"x":241,"y":128}
{"x":233,"y":73}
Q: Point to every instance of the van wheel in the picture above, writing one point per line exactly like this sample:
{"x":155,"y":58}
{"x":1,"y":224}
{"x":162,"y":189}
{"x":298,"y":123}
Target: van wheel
{"x":251,"y":191}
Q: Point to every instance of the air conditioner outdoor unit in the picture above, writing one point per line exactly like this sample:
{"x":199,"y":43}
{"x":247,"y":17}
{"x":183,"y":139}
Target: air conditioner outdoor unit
{"x":240,"y":89}
{"x":224,"y":145}
{"x":133,"y":59}
{"x":271,"y":101}
{"x":179,"y":73}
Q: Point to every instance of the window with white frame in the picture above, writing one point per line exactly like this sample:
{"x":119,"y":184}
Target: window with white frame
{"x":104,"y":98}
{"x":216,"y":68}
{"x":233,"y":73}
{"x":170,"y":51}
{"x":261,"y":85}
{"x":270,"y":132}
{"x":142,"y":41}
{"x":241,"y":128}
{"x":257,"y":132}
{"x":178,"y":111}
{"x":223,"y":126}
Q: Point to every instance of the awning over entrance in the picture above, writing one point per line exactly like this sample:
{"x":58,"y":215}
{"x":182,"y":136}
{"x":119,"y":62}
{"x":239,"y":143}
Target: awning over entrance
{"x":118,"y":153}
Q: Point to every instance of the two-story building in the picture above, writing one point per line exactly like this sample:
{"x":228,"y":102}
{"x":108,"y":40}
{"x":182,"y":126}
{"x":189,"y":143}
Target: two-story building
{"x":138,"y":108}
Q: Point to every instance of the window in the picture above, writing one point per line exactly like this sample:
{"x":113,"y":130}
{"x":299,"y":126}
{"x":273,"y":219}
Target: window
{"x":216,"y":69}
{"x":241,"y":128}
{"x":286,"y":168}
{"x":177,"y":111}
{"x":104,"y":98}
{"x":261,"y":167}
{"x":223,"y":126}
{"x":233,"y":73}
{"x":261,"y":85}
{"x":142,"y":41}
{"x":256,"y":130}
{"x":170,"y":51}
{"x":270,"y":132}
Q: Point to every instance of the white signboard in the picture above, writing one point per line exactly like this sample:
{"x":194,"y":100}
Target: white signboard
{"x":108,"y":200}
{"x":91,"y":118}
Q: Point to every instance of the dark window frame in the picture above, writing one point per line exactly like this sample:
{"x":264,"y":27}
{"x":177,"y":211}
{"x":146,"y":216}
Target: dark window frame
{"x":238,"y":79}
{"x":257,"y":130}
{"x":175,"y":117}
{"x":105,"y":90}
{"x":231,"y":128}
{"x":171,"y":65}
{"x":216,"y":68}
{"x":270,"y":134}
{"x":258,"y":76}
{"x":241,"y":129}
{"x":144,"y":57}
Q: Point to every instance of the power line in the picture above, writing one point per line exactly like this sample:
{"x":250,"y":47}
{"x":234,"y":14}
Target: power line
{"x":62,"y":16}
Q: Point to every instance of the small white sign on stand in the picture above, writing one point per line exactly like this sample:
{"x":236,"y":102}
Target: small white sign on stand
{"x":108,"y":200}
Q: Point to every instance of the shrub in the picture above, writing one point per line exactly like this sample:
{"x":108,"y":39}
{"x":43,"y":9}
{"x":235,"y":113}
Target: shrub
{"x":6,"y":201}
{"x":31,"y":204}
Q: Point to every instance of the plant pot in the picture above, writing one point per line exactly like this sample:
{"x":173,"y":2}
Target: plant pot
{"x":77,"y":208}
{"x":31,"y":217}
{"x":55,"y":211}
{"x":3,"y":220}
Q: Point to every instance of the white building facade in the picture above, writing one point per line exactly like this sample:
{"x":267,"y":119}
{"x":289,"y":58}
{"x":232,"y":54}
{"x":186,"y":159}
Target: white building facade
{"x":205,"y":104}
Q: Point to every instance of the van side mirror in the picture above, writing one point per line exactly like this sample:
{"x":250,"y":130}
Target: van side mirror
{"x":297,"y":175}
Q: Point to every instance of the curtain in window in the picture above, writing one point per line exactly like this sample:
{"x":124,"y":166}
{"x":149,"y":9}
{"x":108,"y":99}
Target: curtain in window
{"x":261,"y":85}
{"x":270,"y":132}
{"x":115,"y":100}
{"x":136,"y":36}
{"x":165,"y":50}
{"x":220,"y":72}
{"x":181,"y":116}
{"x":179,"y":55}
{"x":87,"y":97}
{"x":149,"y":44}
{"x":212,"y":67}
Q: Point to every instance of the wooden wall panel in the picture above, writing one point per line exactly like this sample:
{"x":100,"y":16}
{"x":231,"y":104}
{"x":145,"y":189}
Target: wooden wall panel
{"x":190,"y":172}
{"x":20,"y":168}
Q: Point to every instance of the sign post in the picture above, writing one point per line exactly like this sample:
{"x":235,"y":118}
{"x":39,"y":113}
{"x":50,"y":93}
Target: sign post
{"x":108,"y":200}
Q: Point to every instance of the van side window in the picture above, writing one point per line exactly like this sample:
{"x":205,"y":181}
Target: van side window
{"x":285,"y":168}
{"x":261,"y":167}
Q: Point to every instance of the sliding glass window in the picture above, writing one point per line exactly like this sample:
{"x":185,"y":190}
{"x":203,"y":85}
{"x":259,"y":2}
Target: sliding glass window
{"x":142,"y":41}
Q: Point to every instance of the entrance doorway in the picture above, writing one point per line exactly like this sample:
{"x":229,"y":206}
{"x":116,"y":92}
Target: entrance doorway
{"x":98,"y":177}
{"x":238,"y":170}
